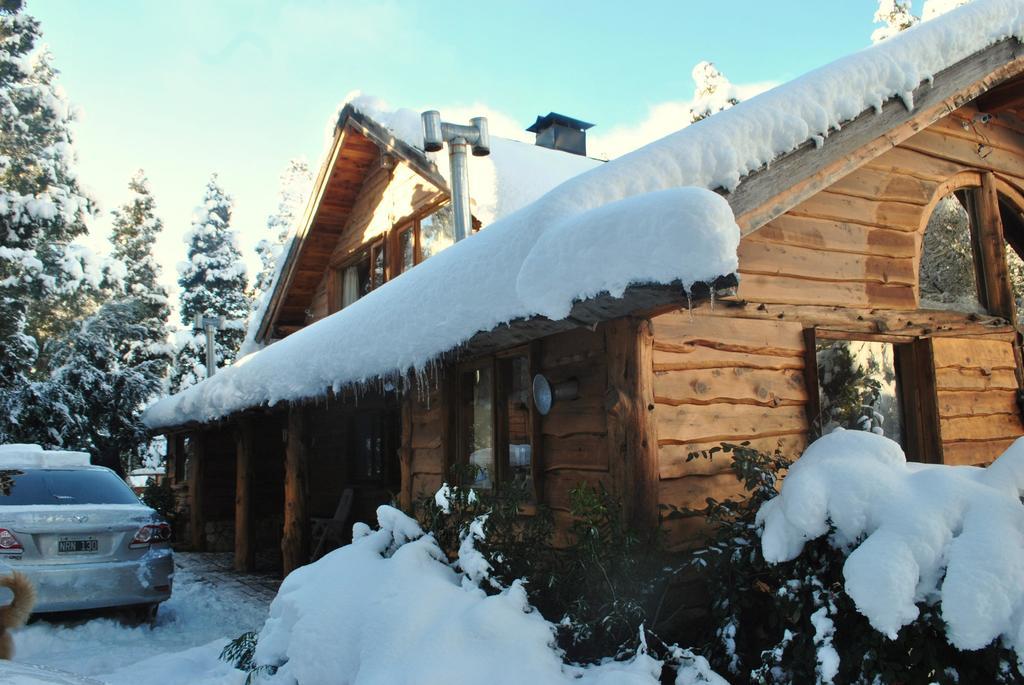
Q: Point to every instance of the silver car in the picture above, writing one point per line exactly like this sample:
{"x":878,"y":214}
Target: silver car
{"x":81,"y":535}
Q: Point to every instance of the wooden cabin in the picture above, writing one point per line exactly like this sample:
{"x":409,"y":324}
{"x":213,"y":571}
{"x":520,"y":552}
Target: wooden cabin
{"x":833,"y":238}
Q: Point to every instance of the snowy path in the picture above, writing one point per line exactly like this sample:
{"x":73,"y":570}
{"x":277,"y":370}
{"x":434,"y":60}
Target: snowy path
{"x":209,"y":606}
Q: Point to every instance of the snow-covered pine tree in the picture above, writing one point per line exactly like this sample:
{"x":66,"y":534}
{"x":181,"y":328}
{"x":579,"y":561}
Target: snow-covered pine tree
{"x":213,"y":282}
{"x":713,"y":92}
{"x":135,"y":230}
{"x":295,"y":184}
{"x":103,"y":375}
{"x":46,"y":281}
{"x":896,"y":16}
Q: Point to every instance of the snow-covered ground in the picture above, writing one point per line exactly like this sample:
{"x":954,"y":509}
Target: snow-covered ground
{"x":191,"y":629}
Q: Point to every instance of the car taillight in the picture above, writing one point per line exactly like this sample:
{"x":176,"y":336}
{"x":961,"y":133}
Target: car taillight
{"x":8,"y":541}
{"x":150,"y":533}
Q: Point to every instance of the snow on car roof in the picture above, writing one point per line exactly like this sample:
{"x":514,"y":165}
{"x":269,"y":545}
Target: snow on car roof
{"x":34,"y":456}
{"x":650,"y":216}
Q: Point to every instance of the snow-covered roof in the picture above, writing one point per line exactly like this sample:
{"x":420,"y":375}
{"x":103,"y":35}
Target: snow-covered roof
{"x":647,"y":217}
{"x":512,"y":176}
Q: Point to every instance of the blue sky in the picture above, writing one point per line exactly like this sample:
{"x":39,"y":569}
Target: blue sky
{"x":185,"y":88}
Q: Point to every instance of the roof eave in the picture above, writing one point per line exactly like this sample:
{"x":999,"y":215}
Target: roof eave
{"x":792,"y":178}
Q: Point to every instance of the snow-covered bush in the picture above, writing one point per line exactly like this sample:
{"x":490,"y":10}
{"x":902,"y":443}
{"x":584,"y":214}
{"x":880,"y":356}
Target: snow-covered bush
{"x":392,"y":608}
{"x":602,"y":584}
{"x":867,"y":569}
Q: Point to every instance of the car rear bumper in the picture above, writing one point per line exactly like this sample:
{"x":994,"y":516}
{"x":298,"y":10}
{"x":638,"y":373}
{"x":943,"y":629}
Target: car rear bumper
{"x":70,"y":587}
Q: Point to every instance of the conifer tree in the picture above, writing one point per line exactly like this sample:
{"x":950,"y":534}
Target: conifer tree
{"x":136,"y":228}
{"x":294,"y":189}
{"x":713,"y":92}
{"x":295,"y":182}
{"x":212,"y":281}
{"x":46,"y":281}
{"x":104,"y":378}
{"x":896,"y":16}
{"x":108,"y":367}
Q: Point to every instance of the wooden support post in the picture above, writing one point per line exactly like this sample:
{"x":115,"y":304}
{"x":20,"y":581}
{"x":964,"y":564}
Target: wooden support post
{"x":990,"y":251}
{"x":196,"y":491}
{"x":632,"y":438}
{"x":245,"y":548}
{"x":174,"y":457}
{"x":814,"y":422}
{"x":334,"y":290}
{"x":295,"y":541}
{"x":405,"y":451}
{"x":536,"y":428}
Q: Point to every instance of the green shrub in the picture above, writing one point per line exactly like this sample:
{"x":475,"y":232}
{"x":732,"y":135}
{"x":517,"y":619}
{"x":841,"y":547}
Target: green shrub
{"x":161,"y":498}
{"x":600,"y":586}
{"x":778,"y":623}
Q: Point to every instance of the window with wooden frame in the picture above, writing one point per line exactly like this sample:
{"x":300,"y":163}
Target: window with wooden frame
{"x":881,"y":384}
{"x":407,"y":247}
{"x":379,"y":270}
{"x":373,"y":445}
{"x":495,"y":421}
{"x":971,"y":256}
{"x":348,"y":282}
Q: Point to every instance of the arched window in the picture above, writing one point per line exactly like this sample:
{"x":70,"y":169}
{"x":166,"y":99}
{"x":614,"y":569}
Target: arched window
{"x":947,"y":275}
{"x":971,"y":254}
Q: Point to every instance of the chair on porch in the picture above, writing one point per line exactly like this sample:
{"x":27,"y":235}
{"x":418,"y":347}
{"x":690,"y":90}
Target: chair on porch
{"x":332,"y":529}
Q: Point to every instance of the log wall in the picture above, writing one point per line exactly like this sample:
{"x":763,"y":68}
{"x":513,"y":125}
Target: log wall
{"x":977,"y":386}
{"x":574,"y":447}
{"x":572,"y":436}
{"x":720,"y":380}
{"x":857,"y":243}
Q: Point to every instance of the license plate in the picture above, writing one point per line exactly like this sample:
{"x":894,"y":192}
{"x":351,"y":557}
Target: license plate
{"x":78,"y":546}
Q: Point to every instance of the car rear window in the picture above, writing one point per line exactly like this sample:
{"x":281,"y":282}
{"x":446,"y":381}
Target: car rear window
{"x":63,"y":486}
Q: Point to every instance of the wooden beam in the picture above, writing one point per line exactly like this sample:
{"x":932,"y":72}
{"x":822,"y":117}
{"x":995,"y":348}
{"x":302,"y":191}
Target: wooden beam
{"x":1007,"y":96}
{"x":640,"y":301}
{"x":813,"y":405}
{"x":197,"y":491}
{"x":631,"y":436}
{"x":794,"y":177}
{"x":245,"y":446}
{"x":334,"y":294}
{"x":295,"y":540}
{"x":405,"y":453}
{"x":175,"y":455}
{"x":283,"y":283}
{"x":990,"y":250}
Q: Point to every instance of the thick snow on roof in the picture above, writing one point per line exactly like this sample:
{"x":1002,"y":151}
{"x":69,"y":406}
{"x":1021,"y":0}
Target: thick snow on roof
{"x":597,"y":231}
{"x":918,"y":533}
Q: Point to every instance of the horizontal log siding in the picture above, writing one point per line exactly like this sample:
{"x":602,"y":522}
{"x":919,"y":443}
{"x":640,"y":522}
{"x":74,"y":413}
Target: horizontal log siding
{"x":719,"y":379}
{"x":574,"y":449}
{"x":857,"y":243}
{"x":977,"y":398}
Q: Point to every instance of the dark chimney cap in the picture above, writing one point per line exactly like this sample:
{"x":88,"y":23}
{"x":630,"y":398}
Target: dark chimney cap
{"x":555,"y":118}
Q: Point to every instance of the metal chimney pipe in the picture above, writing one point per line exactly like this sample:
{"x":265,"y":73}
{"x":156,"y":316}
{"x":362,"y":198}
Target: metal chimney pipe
{"x":459,"y":138}
{"x":457,"y":149}
{"x":210,"y":324}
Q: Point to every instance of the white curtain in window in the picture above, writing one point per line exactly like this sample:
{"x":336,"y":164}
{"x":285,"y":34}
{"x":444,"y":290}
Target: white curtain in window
{"x":349,"y":286}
